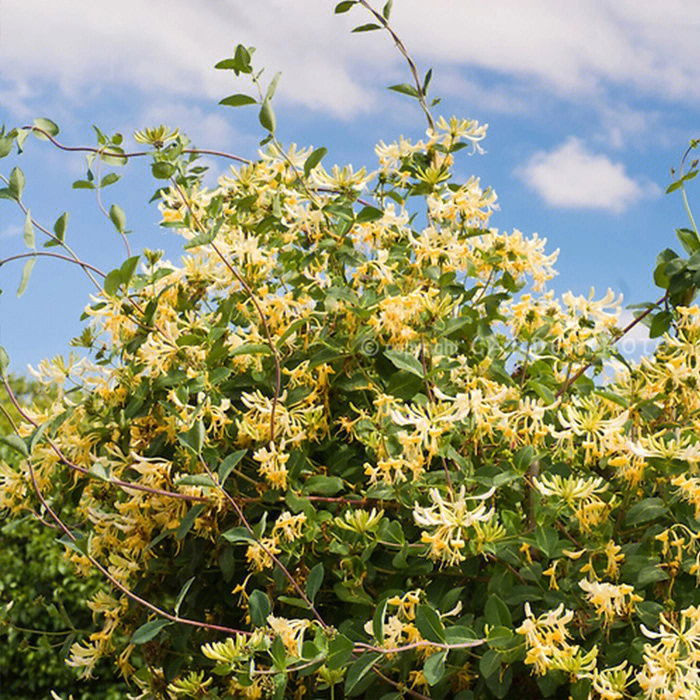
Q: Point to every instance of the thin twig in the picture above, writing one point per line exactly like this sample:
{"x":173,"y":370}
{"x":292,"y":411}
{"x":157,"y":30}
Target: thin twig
{"x":37,"y":253}
{"x":564,"y":387}
{"x":411,"y":64}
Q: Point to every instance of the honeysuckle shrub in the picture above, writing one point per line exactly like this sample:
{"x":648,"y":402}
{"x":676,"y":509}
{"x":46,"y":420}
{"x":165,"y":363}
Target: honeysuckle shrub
{"x":349,"y":444}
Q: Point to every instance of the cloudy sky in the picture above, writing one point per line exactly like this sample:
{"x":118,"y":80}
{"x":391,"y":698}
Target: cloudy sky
{"x":589,"y":103}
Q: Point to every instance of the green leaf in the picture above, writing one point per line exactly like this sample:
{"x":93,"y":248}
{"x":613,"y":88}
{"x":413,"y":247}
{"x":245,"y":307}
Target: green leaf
{"x":358,"y":671}
{"x":426,"y":81}
{"x":434,"y":667}
{"x":83,"y":185}
{"x":650,"y":574}
{"x":386,"y":10}
{"x":116,"y":214}
{"x":459,"y":634}
{"x":259,"y":608}
{"x":404,"y":360}
{"x":660,"y":323}
{"x":278,"y":653}
{"x":5,"y":145}
{"x":314,"y":159}
{"x":77,"y":543}
{"x":323,"y":485}
{"x":674,"y":186}
{"x":16,"y":183}
{"x":272,"y":87}
{"x":405,"y":89}
{"x":344,"y":6}
{"x":581,"y":689}
{"x":128,"y":268}
{"x":162,"y":170}
{"x":366,"y":28}
{"x":546,"y":539}
{"x":59,"y":228}
{"x":314,"y":581}
{"x":339,"y":652}
{"x":112,"y":282}
{"x":188,"y":521}
{"x":378,"y":621}
{"x":250,"y":349}
{"x":242,"y":58}
{"x":16,"y":443}
{"x":644,"y":511}
{"x":110,"y":179}
{"x":29,"y":238}
{"x":237,"y":534}
{"x":4,"y":361}
{"x":367,"y":214}
{"x":148,"y":631}
{"x":229,"y":464}
{"x":267,"y":117}
{"x":279,"y":684}
{"x":181,"y":595}
{"x":26,"y":272}
{"x":21,"y":138}
{"x":499,"y":637}
{"x":227,"y":64}
{"x":689,"y":240}
{"x":196,"y":480}
{"x":237,"y":100}
{"x":490,"y":663}
{"x":227,"y":563}
{"x":429,"y":624}
{"x":50,"y":127}
{"x":497,"y":612}
{"x":37,"y":435}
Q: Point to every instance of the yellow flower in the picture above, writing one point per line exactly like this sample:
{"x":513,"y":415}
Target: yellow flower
{"x":451,"y":520}
{"x":291,"y":632}
{"x":610,"y":601}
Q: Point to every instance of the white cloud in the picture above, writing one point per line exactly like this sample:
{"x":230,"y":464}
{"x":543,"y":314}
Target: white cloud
{"x":11,"y":231}
{"x":572,"y":47}
{"x":622,"y":124}
{"x":168,"y":47}
{"x":572,"y":176}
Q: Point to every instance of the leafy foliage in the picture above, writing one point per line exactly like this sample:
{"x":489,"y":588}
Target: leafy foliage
{"x":335,"y":447}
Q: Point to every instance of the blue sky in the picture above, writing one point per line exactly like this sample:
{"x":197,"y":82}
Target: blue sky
{"x":589,"y":103}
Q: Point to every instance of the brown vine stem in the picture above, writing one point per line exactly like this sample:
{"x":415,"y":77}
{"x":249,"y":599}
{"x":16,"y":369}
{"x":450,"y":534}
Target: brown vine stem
{"x":565,"y":386}
{"x":249,"y":291}
{"x":411,"y":64}
{"x":116,"y":482}
{"x":133,"y":154}
{"x":246,"y":524}
{"x":66,"y":258}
